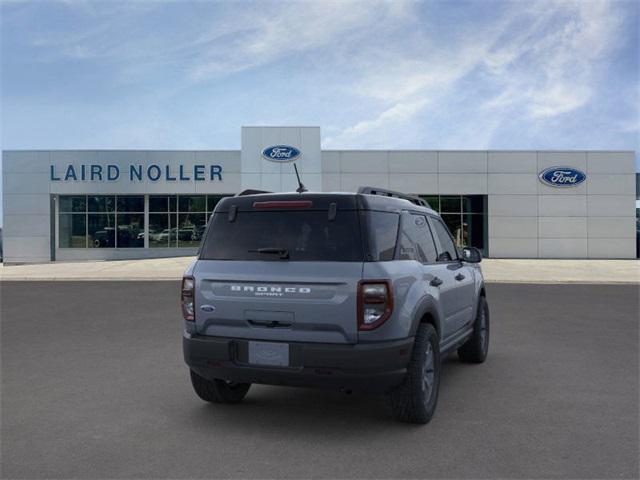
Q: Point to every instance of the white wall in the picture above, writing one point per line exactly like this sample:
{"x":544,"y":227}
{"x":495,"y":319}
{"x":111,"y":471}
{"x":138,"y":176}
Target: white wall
{"x":527,"y":218}
{"x":26,"y":207}
{"x":27,"y":190}
{"x":261,"y":174}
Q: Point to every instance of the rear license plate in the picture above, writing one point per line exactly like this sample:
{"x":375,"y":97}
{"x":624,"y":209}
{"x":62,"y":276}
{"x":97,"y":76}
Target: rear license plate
{"x":267,"y":353}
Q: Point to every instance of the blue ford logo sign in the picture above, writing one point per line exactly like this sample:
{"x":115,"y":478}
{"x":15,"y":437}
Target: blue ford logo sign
{"x":281,"y":153}
{"x":562,"y":177}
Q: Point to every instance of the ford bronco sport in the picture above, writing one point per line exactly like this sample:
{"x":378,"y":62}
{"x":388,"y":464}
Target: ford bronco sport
{"x":344,"y":290}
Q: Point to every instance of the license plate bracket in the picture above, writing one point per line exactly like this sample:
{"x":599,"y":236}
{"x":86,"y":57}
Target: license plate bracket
{"x":269,"y":354}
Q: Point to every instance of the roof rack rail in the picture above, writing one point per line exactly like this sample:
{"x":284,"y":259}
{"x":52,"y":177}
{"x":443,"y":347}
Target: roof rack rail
{"x":390,"y":193}
{"x":250,"y":191}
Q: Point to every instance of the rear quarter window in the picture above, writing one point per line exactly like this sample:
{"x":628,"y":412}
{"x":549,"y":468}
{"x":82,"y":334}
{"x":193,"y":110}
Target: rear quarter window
{"x":383,"y":234}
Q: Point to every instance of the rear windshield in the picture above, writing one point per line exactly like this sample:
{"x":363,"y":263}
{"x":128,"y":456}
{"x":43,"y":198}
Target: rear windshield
{"x":284,"y":236}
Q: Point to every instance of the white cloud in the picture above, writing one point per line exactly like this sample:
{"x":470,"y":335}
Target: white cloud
{"x":372,"y":73}
{"x":232,"y":37}
{"x":284,"y":29}
{"x":539,"y":60}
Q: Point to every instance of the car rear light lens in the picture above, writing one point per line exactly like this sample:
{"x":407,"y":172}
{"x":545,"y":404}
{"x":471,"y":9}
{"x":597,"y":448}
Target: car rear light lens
{"x":284,"y":204}
{"x":375,"y":303}
{"x":186,"y":298}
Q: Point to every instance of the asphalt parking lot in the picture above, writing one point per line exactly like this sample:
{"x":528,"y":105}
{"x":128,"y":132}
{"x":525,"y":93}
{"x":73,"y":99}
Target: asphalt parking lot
{"x":93,"y":386}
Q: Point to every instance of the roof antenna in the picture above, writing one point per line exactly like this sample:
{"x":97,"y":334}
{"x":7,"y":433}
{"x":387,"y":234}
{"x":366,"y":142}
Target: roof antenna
{"x":301,"y":188}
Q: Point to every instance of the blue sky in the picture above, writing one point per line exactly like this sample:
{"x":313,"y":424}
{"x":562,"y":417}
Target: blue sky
{"x":446,"y":75}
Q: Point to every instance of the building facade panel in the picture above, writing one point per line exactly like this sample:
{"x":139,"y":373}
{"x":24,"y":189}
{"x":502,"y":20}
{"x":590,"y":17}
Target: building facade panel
{"x":26,"y":249}
{"x":606,"y":184}
{"x":611,"y":163}
{"x":408,"y":161}
{"x":513,"y":247}
{"x":462,"y":162}
{"x":18,"y":225}
{"x":350,"y":182}
{"x":562,"y":227}
{"x":576,"y":160}
{"x":512,"y":162}
{"x":331,"y":182}
{"x":22,"y":183}
{"x":612,"y":227}
{"x":460,"y":183}
{"x":416,"y":183}
{"x":330,"y":162}
{"x":562,"y":205}
{"x":34,"y":161}
{"x":513,"y":227}
{"x":512,"y":183}
{"x":544,"y":189}
{"x":611,"y":248}
{"x":24,"y":204}
{"x":111,"y":204}
{"x":513,"y":205}
{"x":611,"y":205}
{"x":562,"y":248}
{"x":229,"y":160}
{"x":364,"y":162}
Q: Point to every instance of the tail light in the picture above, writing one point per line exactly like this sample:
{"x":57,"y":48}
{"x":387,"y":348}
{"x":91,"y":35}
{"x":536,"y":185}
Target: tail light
{"x":375,"y":303}
{"x":186,"y":298}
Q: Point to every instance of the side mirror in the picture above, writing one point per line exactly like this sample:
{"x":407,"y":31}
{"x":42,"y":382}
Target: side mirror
{"x":471,"y":255}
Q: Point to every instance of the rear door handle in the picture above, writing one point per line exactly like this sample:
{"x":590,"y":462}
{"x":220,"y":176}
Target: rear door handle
{"x":459,"y":277}
{"x":436,"y":282}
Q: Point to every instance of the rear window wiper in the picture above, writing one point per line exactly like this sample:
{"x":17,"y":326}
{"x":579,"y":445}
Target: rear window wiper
{"x":283,"y":252}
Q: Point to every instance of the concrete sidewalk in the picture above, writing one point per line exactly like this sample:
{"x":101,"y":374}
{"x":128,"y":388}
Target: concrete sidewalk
{"x":495,"y":271}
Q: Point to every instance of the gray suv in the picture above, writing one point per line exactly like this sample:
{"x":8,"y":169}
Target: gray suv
{"x":353,"y":291}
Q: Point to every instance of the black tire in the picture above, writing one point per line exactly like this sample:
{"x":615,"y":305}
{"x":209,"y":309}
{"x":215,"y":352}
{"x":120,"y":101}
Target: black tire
{"x":415,"y":400}
{"x":218,"y":391}
{"x":476,"y":348}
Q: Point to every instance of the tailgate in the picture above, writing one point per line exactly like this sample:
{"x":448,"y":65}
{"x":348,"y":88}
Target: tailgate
{"x":279,"y":301}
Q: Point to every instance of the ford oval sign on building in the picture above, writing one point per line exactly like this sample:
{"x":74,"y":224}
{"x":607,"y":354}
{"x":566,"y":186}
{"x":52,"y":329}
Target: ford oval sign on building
{"x":562,"y":177}
{"x":281,"y":153}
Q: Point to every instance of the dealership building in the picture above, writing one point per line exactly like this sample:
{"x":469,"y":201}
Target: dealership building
{"x":70,"y":205}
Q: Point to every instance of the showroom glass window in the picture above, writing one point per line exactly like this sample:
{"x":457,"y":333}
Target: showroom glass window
{"x":130,"y":221}
{"x":465,"y":216}
{"x":72,"y":221}
{"x":179,"y":220}
{"x":101,"y":221}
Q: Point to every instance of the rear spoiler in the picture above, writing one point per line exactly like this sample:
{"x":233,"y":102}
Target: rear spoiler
{"x":251,"y":191}
{"x":390,"y":193}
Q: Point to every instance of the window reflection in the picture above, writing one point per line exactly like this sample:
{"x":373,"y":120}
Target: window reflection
{"x":102,"y":203}
{"x":131,"y":203}
{"x":72,"y":203}
{"x":130,"y":230}
{"x":159,"y":232}
{"x":454,"y":224}
{"x":192,"y":203}
{"x":118,"y":221}
{"x":73,"y":230}
{"x":465,"y":216}
{"x":190,"y":229}
{"x":101,"y":229}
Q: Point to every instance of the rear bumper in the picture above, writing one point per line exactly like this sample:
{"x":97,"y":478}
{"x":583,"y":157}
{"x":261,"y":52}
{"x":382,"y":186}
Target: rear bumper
{"x":372,"y":367}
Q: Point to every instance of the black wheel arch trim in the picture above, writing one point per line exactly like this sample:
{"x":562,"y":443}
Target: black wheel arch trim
{"x":427,"y":307}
